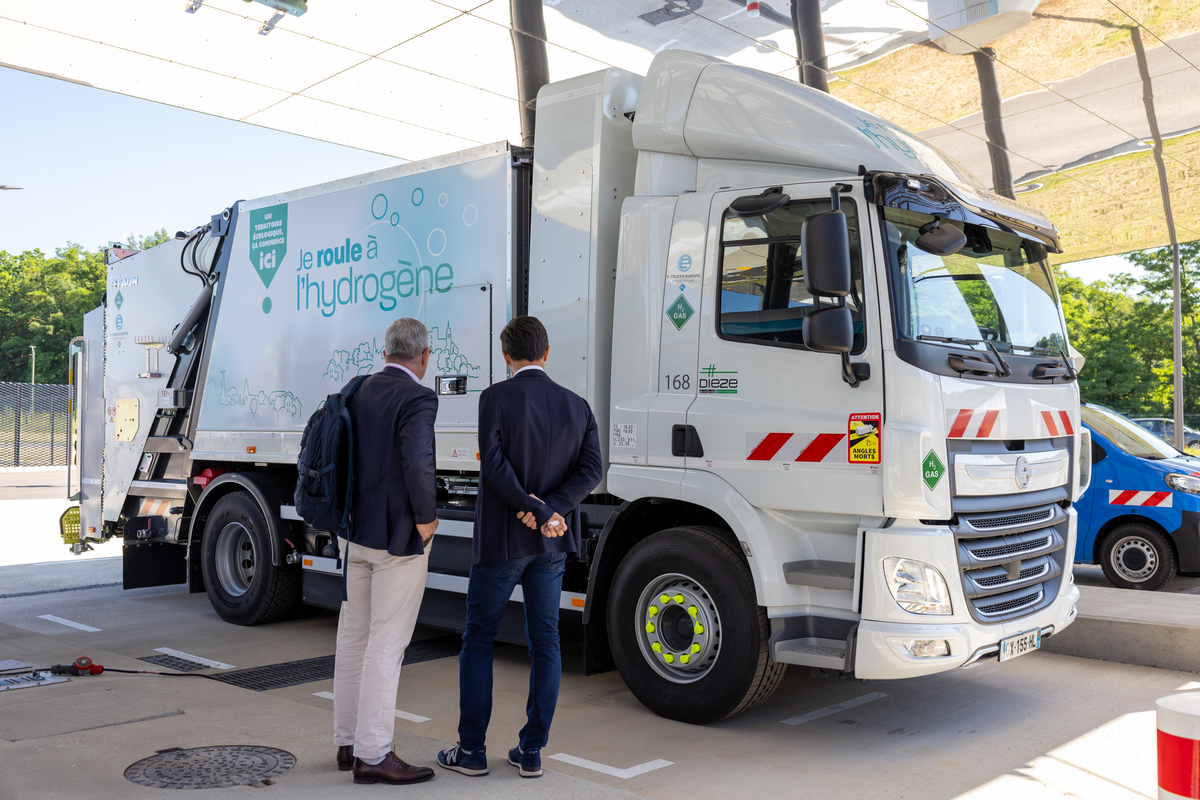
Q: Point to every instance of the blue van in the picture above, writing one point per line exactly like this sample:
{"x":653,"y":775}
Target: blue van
{"x":1140,"y":516}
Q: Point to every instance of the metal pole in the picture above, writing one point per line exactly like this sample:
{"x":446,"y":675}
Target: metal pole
{"x":810,"y":41}
{"x":529,"y":52}
{"x":1135,"y":34}
{"x":993,"y":122}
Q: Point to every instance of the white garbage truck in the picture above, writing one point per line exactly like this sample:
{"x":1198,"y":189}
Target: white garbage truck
{"x":838,"y":407}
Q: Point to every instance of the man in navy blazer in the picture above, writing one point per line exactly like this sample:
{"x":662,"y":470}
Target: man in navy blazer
{"x":393,"y":516}
{"x":539,"y":458}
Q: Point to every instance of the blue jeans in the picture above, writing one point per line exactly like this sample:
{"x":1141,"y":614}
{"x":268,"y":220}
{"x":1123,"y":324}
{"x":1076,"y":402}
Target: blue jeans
{"x":488,"y":592}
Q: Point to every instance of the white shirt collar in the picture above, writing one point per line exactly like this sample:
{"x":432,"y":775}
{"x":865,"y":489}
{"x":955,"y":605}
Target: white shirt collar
{"x":412,"y":374}
{"x":528,"y":366}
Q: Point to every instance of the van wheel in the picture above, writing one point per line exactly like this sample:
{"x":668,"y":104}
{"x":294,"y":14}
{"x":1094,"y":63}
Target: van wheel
{"x":687,"y":634}
{"x":243,"y":585}
{"x":1137,"y":557}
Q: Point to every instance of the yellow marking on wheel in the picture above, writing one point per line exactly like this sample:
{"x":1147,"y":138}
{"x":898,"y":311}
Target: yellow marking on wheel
{"x":678,"y":598}
{"x":665,"y":598}
{"x":649,"y":627}
{"x":685,"y":658}
{"x":695,"y":648}
{"x":670,"y":659}
{"x":653,"y":611}
{"x":699,"y":628}
{"x":656,"y":647}
{"x":693,"y":610}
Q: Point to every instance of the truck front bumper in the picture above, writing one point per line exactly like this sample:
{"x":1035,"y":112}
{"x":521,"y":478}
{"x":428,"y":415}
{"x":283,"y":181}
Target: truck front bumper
{"x":880,"y":653}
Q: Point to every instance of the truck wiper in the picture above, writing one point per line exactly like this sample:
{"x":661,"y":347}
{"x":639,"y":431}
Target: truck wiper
{"x":1005,"y":371}
{"x":1052,"y":351}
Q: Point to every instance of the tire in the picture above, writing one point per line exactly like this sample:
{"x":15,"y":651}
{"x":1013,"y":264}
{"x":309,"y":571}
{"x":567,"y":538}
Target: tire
{"x":244,"y":587}
{"x":712,"y":659}
{"x":1136,"y":556}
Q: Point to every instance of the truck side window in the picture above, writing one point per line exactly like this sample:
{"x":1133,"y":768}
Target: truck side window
{"x":762,"y":297}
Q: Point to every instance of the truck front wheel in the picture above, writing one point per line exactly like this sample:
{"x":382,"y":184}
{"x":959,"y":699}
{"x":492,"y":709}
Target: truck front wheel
{"x":243,"y":585}
{"x":686,"y":632}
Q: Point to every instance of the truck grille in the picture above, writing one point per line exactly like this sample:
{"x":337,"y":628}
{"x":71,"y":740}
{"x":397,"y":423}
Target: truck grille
{"x":1011,"y":562}
{"x":991,"y":523}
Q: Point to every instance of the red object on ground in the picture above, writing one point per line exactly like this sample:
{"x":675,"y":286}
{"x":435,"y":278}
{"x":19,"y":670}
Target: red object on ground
{"x":1179,"y":746}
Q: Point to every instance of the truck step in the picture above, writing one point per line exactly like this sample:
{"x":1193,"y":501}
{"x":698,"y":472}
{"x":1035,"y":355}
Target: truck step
{"x":821,"y":574}
{"x":812,"y":652}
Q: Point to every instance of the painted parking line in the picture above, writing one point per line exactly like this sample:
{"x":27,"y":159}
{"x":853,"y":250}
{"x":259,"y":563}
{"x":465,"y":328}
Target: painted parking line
{"x":624,"y":774}
{"x":825,"y":712}
{"x":208,"y":662}
{"x":68,"y":623}
{"x":399,"y":714}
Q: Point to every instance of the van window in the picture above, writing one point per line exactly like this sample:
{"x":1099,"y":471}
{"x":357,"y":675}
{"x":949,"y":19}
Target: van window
{"x":762,"y":298}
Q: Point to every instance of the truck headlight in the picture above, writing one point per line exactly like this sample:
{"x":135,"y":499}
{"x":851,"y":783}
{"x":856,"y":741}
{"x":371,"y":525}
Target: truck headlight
{"x":917,"y":587}
{"x":1183,"y":483}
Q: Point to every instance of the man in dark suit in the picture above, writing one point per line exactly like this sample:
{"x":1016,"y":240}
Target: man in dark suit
{"x":393,"y":518}
{"x":539,"y":458}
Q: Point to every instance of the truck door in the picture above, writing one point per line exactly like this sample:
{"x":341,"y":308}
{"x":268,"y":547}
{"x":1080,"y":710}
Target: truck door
{"x":775,"y":419}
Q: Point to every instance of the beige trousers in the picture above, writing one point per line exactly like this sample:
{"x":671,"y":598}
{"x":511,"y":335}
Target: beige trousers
{"x":383,"y":595}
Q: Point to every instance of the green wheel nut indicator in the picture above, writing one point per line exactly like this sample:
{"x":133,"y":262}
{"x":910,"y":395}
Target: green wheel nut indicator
{"x":666,"y":598}
{"x":653,"y":611}
{"x":678,"y":598}
{"x":695,"y":648}
{"x":656,"y":647}
{"x":670,"y":659}
{"x":693,"y":610}
{"x":699,"y":628}
{"x":649,"y":627}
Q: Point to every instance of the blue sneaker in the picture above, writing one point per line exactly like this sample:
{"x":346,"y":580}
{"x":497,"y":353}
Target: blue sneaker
{"x":529,"y":761}
{"x":465,"y":761}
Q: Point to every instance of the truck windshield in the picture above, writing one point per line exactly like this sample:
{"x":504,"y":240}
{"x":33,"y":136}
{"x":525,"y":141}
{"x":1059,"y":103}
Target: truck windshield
{"x":1126,"y":434}
{"x":999,"y":288}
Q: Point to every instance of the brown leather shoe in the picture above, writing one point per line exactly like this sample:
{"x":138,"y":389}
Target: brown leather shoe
{"x":345,"y":758}
{"x":390,"y":770}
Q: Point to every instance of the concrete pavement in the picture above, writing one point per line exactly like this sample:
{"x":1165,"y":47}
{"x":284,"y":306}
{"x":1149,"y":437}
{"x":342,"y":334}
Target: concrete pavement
{"x":1043,"y":725}
{"x":1070,"y":126}
{"x":31,"y":501}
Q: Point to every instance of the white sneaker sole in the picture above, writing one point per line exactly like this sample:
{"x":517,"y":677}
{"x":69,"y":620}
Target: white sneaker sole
{"x":523,"y":772}
{"x":464,"y":770}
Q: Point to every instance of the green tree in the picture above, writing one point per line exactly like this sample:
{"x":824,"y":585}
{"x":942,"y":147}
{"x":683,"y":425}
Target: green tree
{"x":42,"y":303}
{"x":1157,"y":287}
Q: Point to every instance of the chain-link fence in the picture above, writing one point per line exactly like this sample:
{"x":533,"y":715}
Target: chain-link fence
{"x":35,"y":425}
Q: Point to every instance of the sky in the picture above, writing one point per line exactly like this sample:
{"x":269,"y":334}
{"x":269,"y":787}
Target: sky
{"x":98,"y":166}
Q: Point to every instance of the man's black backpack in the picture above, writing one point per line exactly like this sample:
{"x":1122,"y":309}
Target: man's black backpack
{"x":326,"y":464}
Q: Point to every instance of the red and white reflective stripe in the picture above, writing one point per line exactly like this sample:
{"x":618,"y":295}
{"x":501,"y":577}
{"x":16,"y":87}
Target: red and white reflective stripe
{"x":153,"y":508}
{"x":1129,"y":497}
{"x":1062,"y":423}
{"x":771,"y":447}
{"x":978,"y":421}
{"x":1179,"y":746}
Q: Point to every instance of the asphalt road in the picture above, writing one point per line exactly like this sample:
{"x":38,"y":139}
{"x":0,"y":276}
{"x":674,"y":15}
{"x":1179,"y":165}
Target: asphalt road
{"x":1041,"y":726}
{"x":36,"y":483}
{"x":1086,"y":118}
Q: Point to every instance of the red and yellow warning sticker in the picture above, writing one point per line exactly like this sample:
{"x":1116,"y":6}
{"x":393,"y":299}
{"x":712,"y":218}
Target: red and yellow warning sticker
{"x":864,"y":438}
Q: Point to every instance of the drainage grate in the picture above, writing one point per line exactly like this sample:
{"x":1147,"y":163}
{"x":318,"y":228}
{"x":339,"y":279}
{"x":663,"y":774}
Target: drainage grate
{"x":216,"y":767}
{"x":175,"y":662}
{"x":294,"y":673}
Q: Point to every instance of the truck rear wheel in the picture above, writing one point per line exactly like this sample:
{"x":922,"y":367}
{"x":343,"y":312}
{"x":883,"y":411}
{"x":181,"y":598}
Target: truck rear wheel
{"x":1137,"y":556}
{"x":686,"y":631}
{"x":243,"y":585}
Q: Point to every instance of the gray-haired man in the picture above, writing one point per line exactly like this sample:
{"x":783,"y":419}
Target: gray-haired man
{"x":393,"y":517}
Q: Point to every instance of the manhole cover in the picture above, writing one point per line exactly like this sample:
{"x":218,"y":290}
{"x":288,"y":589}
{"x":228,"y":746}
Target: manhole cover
{"x":216,"y":767}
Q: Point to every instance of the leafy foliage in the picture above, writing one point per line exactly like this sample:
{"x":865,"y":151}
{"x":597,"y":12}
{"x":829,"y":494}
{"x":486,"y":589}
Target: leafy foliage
{"x":42,"y":303}
{"x":1124,"y":329}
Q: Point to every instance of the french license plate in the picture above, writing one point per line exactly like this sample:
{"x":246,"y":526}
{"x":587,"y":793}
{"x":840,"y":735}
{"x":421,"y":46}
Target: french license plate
{"x":1020,"y":644}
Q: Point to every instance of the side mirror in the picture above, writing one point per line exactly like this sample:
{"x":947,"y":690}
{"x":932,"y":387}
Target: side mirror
{"x":755,"y":205}
{"x":830,"y":330}
{"x":940,"y":240}
{"x":825,"y":254}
